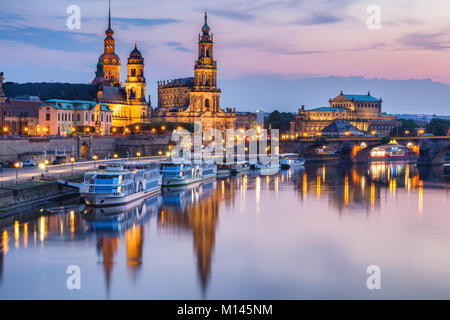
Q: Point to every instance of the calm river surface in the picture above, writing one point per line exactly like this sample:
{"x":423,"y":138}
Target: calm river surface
{"x":305,"y":233}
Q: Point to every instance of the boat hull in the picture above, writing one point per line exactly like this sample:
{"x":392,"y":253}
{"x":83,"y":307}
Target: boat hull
{"x":99,"y":200}
{"x":180,"y":182}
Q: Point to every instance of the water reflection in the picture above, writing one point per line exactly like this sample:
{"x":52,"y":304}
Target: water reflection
{"x":194,"y":213}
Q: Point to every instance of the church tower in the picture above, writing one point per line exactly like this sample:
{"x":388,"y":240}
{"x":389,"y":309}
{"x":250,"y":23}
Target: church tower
{"x":135,"y":87}
{"x":205,"y":94}
{"x":135,"y":83}
{"x":111,"y":61}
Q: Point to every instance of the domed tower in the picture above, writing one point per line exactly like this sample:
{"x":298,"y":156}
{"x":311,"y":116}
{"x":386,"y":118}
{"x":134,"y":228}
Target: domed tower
{"x":205,"y":95}
{"x":110,"y":60}
{"x":135,"y":83}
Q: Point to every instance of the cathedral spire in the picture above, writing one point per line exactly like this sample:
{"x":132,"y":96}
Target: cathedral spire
{"x":109,"y":14}
{"x":109,"y":32}
{"x":205,"y":27}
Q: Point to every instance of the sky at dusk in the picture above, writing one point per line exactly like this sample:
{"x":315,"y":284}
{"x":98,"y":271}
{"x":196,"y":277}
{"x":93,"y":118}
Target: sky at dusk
{"x":281,"y":42}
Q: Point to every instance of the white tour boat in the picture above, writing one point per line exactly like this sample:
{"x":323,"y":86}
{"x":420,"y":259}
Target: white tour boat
{"x":182,"y":174}
{"x":117,"y":184}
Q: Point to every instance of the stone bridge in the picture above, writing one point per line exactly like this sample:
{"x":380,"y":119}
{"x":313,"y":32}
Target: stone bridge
{"x":427,"y":150}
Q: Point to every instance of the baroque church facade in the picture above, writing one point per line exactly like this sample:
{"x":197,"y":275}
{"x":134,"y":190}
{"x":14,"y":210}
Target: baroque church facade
{"x":197,"y":98}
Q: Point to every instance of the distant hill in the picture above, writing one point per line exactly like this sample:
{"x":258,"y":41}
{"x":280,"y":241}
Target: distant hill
{"x":269,"y":92}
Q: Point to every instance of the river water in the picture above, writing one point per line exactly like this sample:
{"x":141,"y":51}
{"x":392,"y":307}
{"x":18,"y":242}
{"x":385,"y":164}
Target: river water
{"x":304,"y":234}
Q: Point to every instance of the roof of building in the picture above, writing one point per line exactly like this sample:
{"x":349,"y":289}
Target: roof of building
{"x":135,"y":53}
{"x":340,"y":126}
{"x":46,"y":90}
{"x":24,"y":108}
{"x":184,"y":82}
{"x":361,"y":97}
{"x":74,"y":104}
{"x":64,"y":91}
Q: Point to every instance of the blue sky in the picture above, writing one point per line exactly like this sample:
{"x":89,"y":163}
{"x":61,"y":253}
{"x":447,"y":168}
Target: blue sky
{"x":280,"y":41}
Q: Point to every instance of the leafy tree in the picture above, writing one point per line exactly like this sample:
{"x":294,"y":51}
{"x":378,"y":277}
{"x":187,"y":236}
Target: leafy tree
{"x":438,"y":127}
{"x":408,"y":128}
{"x":280,"y":120}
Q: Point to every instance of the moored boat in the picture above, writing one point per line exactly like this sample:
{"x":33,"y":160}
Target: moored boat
{"x":389,"y":152}
{"x":117,"y":184}
{"x":291,"y":160}
{"x":182,"y":174}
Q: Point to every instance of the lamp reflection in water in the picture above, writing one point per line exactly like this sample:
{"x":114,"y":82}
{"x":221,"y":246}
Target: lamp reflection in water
{"x":305,"y":185}
{"x":420,"y":207}
{"x":346,"y":190}
{"x":318,"y":187}
{"x":16,"y":233}
{"x":25,"y":235}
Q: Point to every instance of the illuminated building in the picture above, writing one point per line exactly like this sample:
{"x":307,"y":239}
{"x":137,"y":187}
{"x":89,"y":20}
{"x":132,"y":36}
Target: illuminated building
{"x":362,"y":111}
{"x":60,"y":117}
{"x":196,"y":99}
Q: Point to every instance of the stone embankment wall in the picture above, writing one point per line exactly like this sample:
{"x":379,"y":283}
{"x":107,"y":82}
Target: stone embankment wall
{"x":24,"y":194}
{"x":25,"y":148}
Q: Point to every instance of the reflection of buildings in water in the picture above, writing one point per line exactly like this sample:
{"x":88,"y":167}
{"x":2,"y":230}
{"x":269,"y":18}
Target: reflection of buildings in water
{"x":358,"y":186}
{"x":134,"y":240}
{"x":107,"y":246}
{"x":196,"y":208}
{"x":110,"y":222}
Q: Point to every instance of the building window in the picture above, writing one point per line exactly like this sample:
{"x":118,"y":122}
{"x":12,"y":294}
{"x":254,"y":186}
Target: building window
{"x":78,"y":117}
{"x":59,"y":117}
{"x":47,"y":116}
{"x":92,"y":117}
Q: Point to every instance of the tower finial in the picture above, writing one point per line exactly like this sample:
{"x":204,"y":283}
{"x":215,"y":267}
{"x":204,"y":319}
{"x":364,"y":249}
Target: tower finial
{"x":109,"y":14}
{"x":205,"y":27}
{"x":135,"y":45}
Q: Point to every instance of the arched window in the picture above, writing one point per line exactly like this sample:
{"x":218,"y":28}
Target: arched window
{"x":207,"y":104}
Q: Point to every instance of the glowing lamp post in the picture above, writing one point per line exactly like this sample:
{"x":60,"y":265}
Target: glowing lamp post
{"x":421,"y":132}
{"x":42,"y":166}
{"x":72,"y":161}
{"x":116,"y":155}
{"x":94,"y":157}
{"x":17,"y":166}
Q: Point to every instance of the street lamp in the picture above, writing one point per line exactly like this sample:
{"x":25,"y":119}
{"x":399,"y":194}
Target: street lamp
{"x":95,"y":157}
{"x":17,"y":166}
{"x":72,"y":160}
{"x":138,"y":154}
{"x":5,"y":130}
{"x":42,"y":166}
{"x":116,"y":155}
{"x":421,"y":132}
